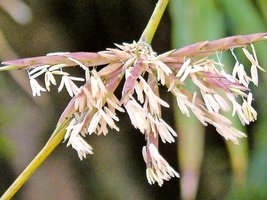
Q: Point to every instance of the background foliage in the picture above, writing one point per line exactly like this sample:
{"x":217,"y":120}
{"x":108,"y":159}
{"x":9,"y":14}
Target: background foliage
{"x":116,"y":170}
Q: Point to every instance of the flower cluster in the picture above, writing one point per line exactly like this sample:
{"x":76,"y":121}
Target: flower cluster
{"x":94,"y":105}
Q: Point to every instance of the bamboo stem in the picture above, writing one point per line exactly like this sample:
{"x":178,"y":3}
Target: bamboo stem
{"x":153,"y":22}
{"x":37,"y":161}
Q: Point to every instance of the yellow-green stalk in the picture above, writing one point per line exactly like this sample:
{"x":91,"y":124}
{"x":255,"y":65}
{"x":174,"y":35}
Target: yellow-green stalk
{"x":58,"y":136}
{"x":153,"y":23}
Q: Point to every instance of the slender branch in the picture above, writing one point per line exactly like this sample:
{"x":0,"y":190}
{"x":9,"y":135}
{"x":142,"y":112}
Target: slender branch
{"x":58,"y":135}
{"x":153,"y":23}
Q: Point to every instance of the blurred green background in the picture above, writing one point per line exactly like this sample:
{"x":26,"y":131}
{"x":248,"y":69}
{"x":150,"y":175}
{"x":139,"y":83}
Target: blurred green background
{"x":210,"y":168}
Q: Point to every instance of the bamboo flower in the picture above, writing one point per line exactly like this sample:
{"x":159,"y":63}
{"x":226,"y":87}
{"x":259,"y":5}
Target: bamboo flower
{"x":93,"y":108}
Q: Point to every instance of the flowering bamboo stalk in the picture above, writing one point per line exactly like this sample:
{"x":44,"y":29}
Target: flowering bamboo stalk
{"x":60,"y":132}
{"x":94,"y":105}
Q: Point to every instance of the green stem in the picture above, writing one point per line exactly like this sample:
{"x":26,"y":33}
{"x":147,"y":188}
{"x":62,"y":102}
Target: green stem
{"x":58,"y":135}
{"x":239,"y":162}
{"x":153,"y":23}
